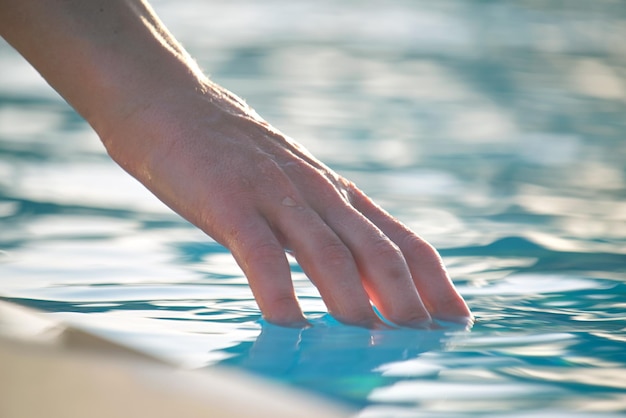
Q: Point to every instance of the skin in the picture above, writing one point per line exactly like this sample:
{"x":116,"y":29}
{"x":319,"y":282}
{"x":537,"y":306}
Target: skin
{"x":212,"y":159}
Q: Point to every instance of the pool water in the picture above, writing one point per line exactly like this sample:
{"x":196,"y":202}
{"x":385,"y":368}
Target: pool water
{"x":496,"y":130}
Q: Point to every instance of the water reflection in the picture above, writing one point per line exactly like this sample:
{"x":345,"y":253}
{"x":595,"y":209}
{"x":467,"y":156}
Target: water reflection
{"x":495,"y":129}
{"x":345,"y":363}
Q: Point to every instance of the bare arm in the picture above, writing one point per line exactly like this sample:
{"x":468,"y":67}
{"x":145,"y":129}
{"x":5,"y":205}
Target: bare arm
{"x":213,"y":160}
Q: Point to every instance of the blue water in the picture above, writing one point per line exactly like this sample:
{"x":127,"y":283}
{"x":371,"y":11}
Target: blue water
{"x":494,"y":129}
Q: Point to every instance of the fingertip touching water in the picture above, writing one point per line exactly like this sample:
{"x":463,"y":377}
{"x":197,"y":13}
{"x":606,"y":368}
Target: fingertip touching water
{"x":494,"y":130}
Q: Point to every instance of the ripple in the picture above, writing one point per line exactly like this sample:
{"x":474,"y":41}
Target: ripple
{"x":415,"y":391}
{"x":493,"y":129}
{"x":528,"y":284}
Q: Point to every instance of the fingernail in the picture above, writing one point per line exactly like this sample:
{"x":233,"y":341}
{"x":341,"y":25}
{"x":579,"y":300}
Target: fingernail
{"x":466,"y":321}
{"x":300,"y":323}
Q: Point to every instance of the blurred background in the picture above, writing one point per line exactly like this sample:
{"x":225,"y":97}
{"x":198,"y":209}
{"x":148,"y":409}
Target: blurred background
{"x":495,"y":129}
{"x":484,"y":107}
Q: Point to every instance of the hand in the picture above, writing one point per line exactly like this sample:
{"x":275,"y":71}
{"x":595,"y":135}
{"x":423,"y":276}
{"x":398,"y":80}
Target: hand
{"x":213,"y":160}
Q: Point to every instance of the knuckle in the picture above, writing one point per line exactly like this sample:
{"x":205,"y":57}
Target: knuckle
{"x":390,"y":260}
{"x":335,"y":253}
{"x":385,"y":248}
{"x":414,"y":245}
{"x":266,"y":250}
{"x":268,"y":167}
{"x":296,"y":167}
{"x":264,"y":253}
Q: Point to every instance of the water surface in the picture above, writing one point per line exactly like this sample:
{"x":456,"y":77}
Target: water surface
{"x":494,"y":129}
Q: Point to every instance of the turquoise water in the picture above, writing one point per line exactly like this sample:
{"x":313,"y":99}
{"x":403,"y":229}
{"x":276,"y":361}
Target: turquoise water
{"x":494,"y":129}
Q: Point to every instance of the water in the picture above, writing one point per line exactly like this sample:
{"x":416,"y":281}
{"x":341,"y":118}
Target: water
{"x":494,"y":129}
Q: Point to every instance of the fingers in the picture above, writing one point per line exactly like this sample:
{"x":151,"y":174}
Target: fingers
{"x":427,"y":270}
{"x":262,"y":258}
{"x":347,"y":257}
{"x":329,"y":263}
{"x":383,"y":269}
{"x":281,"y":219}
{"x":353,"y":251}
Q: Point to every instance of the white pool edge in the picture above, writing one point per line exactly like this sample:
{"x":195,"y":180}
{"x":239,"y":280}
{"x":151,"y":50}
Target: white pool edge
{"x":51,"y":369}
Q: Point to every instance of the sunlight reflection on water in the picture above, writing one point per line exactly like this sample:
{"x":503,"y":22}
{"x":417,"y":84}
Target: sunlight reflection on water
{"x":493,"y":129}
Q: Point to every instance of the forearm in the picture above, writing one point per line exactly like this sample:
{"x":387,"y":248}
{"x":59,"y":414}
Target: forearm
{"x":108,"y":58}
{"x":121,"y":69}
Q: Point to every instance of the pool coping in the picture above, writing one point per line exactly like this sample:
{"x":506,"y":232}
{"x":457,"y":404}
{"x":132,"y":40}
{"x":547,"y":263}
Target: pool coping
{"x":56,"y":370}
